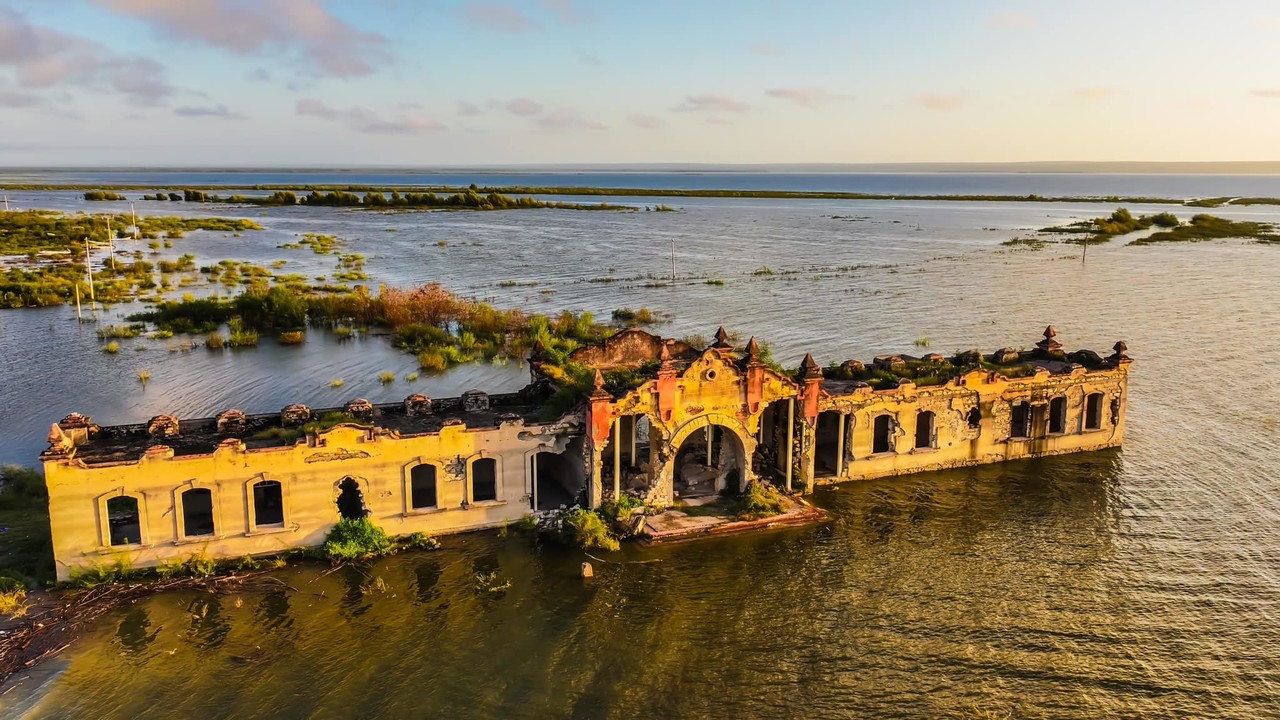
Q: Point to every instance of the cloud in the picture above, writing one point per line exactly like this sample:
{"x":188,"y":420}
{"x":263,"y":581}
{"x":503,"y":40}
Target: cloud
{"x":648,"y":122}
{"x":11,"y":99}
{"x":937,"y":101}
{"x":210,"y":111}
{"x":809,"y":97}
{"x":366,"y":121}
{"x":1267,"y":92}
{"x":564,"y":11}
{"x":467,"y":109}
{"x":496,"y":17}
{"x":711,"y":102}
{"x":44,"y":58}
{"x":766,"y":49}
{"x":323,"y":43}
{"x":1094,"y":93}
{"x":566,"y":119}
{"x":259,"y":75}
{"x":1011,"y":21}
{"x":524,"y":107}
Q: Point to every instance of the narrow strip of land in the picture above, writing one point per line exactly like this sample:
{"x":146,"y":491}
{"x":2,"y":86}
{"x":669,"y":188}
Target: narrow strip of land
{"x":106,"y":191}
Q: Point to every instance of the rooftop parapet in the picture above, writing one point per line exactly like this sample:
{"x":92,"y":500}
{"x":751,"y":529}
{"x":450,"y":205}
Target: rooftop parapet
{"x":79,"y":438}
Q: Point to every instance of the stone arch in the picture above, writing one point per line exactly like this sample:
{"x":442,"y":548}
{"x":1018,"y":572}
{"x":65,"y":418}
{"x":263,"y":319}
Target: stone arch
{"x":740,"y":442}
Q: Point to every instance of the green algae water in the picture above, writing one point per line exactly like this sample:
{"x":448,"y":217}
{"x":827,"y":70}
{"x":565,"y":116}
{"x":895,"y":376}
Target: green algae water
{"x":1135,"y":583}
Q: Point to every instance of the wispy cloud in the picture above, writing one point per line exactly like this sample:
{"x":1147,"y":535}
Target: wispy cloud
{"x":566,"y":119}
{"x":497,"y":17}
{"x":210,"y":111}
{"x":648,"y":122}
{"x":44,"y":58}
{"x":323,"y":43}
{"x":1011,"y":20}
{"x":524,"y":107}
{"x":564,"y":11}
{"x":467,"y":109}
{"x":939,"y":101}
{"x":364,"y":120}
{"x":765,"y":49}
{"x":1094,"y":93}
{"x":711,"y":102}
{"x":1267,"y":92}
{"x":809,"y":97}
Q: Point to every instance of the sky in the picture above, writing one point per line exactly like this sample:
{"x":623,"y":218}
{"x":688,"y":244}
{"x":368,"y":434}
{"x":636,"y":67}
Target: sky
{"x":464,"y":82}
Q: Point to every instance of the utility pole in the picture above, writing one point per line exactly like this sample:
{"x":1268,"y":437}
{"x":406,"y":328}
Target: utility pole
{"x":673,"y":259}
{"x":1085,"y":251}
{"x":6,"y":203}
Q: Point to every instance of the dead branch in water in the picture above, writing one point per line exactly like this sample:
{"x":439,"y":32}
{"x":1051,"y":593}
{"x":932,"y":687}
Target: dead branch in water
{"x":46,"y":633}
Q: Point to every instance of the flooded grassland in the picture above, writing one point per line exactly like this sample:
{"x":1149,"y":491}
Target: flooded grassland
{"x":1129,"y":583}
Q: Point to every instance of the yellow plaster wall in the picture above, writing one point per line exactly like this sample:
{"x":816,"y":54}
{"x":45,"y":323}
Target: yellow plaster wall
{"x":309,"y":475}
{"x":957,"y":444}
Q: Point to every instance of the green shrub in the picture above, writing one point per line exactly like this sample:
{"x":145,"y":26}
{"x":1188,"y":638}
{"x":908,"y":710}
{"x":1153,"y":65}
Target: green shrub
{"x":354,"y":539}
{"x":386,"y":377}
{"x":215,"y":341}
{"x":620,"y":508}
{"x":292,"y":337}
{"x":419,"y":541}
{"x":588,"y":530}
{"x":760,"y":500}
{"x":102,"y":574}
{"x":112,"y":347}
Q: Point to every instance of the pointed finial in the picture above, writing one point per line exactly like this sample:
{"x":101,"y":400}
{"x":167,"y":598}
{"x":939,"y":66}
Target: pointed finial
{"x":722,"y":341}
{"x":1048,"y":344}
{"x":1119,"y":355}
{"x":810,"y":367}
{"x":753,"y":348}
{"x":599,"y":380}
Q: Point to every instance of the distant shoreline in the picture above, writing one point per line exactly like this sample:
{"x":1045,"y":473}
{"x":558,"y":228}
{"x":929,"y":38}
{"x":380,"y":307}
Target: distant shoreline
{"x":524,"y":190}
{"x":1243,"y":167}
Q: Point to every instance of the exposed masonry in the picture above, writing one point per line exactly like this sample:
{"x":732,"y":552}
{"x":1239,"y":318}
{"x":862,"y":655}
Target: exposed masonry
{"x":699,"y":422}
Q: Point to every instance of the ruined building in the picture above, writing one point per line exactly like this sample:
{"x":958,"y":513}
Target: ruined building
{"x":665,"y":421}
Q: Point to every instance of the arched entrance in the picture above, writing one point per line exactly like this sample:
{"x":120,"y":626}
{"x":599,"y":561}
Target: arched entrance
{"x":710,"y":459}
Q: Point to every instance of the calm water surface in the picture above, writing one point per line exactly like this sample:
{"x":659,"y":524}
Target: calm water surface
{"x":1133,"y":583}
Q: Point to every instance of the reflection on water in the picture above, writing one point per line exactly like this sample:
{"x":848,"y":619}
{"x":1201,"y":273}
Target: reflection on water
{"x":1133,"y":583}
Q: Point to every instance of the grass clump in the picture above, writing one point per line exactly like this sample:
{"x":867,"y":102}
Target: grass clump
{"x":419,"y":541}
{"x":355,"y":539}
{"x":101,"y":195}
{"x":337,"y":383}
{"x":715,"y":281}
{"x":621,"y":508}
{"x":119,"y":570}
{"x":144,"y":376}
{"x":111,"y":332}
{"x":197,"y":565}
{"x":760,"y":500}
{"x":386,"y":377}
{"x":922,"y":342}
{"x":112,"y":347}
{"x":588,"y":530}
{"x":13,"y":595}
{"x":215,"y":341}
{"x":292,"y":337}
{"x":1209,"y":227}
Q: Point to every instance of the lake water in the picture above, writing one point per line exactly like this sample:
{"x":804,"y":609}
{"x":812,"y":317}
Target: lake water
{"x":1134,"y":583}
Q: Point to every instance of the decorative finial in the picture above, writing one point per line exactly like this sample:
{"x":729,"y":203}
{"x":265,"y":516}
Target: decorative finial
{"x":810,"y":367}
{"x":753,"y":348}
{"x":1048,"y":344}
{"x":1120,"y":349}
{"x":722,"y":340}
{"x":599,"y":380}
